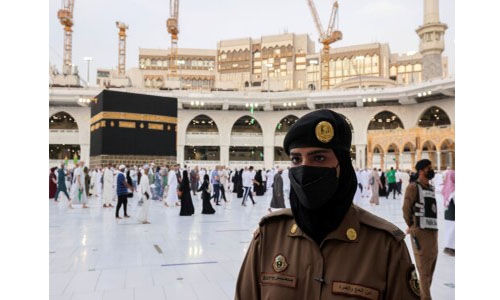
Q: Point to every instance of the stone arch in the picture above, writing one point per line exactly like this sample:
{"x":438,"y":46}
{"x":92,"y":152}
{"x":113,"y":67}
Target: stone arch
{"x":285,"y":123}
{"x":240,"y":125}
{"x":392,"y":156}
{"x":202,"y":123}
{"x":433,"y":116}
{"x":447,"y":154}
{"x":407,"y":157}
{"x":377,"y":156}
{"x":385,"y":119}
{"x":429,"y":151}
{"x":62,"y":120}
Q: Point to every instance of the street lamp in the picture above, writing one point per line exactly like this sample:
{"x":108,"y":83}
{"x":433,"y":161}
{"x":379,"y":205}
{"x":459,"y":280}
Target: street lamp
{"x":88,"y":59}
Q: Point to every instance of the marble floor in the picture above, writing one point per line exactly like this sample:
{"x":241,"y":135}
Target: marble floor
{"x":94,"y":256}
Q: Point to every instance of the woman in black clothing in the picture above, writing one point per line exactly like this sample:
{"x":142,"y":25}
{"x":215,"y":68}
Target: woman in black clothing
{"x":258,"y":187}
{"x":205,"y":196}
{"x":187,"y":207}
{"x":382,"y":192}
{"x":239,"y":184}
{"x":234,"y":180}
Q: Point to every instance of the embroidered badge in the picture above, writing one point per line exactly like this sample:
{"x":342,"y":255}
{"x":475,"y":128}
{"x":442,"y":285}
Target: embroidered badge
{"x":413,"y":281}
{"x":354,"y":290}
{"x":324,"y":132}
{"x":279,"y":263}
{"x":278,"y":279}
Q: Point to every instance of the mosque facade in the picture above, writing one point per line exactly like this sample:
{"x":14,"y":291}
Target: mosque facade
{"x":236,"y":102}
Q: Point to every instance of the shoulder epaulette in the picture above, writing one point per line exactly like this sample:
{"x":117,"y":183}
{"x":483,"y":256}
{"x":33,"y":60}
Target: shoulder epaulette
{"x":282,"y":213}
{"x":374,"y":221}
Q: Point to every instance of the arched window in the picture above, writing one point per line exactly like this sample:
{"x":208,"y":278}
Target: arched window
{"x":62,"y":120}
{"x":385,"y":120}
{"x":434,"y":116}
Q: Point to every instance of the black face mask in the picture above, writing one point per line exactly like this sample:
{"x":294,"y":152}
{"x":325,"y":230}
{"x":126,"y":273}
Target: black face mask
{"x":314,"y":186}
{"x":430,"y":174}
{"x":330,"y":196}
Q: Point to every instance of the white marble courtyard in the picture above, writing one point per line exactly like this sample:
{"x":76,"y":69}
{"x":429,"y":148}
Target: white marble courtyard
{"x":94,"y":256}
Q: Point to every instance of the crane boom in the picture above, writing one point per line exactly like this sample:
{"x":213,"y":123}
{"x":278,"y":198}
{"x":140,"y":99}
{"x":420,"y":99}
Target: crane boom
{"x":65,"y":15}
{"x":122,"y":37}
{"x":317,"y":21}
{"x":326,"y":38}
{"x":173,"y":29}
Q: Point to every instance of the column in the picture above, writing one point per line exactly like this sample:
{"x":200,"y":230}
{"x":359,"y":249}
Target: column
{"x":84,"y":153}
{"x":438,"y":155}
{"x":180,"y":154}
{"x":268,"y":157}
{"x":224,"y":155}
{"x":419,"y":154}
{"x":361,"y":156}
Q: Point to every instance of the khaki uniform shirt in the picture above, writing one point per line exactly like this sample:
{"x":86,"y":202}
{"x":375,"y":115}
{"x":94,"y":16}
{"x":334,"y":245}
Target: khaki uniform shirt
{"x":364,"y":258}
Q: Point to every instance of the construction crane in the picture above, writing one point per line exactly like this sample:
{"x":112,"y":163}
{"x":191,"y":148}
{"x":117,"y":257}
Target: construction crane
{"x":173,"y":29}
{"x":331,"y":35}
{"x":122,"y":35}
{"x":65,"y":16}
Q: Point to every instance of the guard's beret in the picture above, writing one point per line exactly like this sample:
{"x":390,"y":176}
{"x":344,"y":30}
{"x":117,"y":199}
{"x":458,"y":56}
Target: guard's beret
{"x":321,"y":128}
{"x":422,"y":164}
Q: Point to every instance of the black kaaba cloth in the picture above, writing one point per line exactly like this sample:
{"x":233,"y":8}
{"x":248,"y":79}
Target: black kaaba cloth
{"x":133,"y":124}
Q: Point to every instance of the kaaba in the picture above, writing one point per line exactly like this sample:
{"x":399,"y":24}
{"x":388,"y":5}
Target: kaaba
{"x":132,"y":129}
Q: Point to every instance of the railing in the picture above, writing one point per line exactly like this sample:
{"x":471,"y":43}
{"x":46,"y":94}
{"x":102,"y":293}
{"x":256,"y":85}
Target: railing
{"x":64,"y":130}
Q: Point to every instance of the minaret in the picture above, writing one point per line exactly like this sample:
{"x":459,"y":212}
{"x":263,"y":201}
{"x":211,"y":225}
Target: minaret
{"x":431,"y":35}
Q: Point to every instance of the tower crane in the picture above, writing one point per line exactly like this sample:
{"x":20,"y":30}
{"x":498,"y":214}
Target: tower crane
{"x":65,"y":16}
{"x":173,"y":29}
{"x":331,"y":35}
{"x":122,"y":35}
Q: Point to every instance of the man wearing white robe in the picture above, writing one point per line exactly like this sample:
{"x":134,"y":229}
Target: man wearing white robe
{"x":145,"y":195}
{"x":286,"y":184}
{"x":172,"y":197}
{"x":108,"y":190}
{"x":98,"y":184}
{"x":78,"y":194}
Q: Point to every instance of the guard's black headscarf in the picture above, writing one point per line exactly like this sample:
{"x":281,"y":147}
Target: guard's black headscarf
{"x":317,"y":223}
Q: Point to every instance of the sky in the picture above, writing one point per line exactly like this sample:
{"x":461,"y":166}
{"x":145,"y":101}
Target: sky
{"x":203,"y":23}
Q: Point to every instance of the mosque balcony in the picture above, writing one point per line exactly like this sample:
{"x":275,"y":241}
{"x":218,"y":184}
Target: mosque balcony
{"x":63,"y":136}
{"x":202,"y":163}
{"x":203,"y":138}
{"x":247,"y":139}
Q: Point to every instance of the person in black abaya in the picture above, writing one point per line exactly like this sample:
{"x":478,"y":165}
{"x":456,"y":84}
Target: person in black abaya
{"x":187,"y":208}
{"x":382,"y":192}
{"x":239,"y":184}
{"x":258,"y":187}
{"x":205,"y":196}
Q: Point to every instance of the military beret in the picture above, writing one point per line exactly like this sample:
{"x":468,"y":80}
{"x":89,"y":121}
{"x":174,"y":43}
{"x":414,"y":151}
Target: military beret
{"x":321,"y":128}
{"x":422,"y":164}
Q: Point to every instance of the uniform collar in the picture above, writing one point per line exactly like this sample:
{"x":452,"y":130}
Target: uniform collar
{"x":349,"y":223}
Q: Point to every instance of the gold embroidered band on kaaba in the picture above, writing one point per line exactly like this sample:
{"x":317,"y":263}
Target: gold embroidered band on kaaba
{"x":132,"y":117}
{"x":127,"y":120}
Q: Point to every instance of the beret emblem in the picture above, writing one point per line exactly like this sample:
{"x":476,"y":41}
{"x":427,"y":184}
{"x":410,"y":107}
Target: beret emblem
{"x":324,"y":131}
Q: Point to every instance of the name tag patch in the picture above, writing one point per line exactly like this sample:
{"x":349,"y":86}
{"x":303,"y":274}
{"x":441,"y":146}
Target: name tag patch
{"x":348,"y":289}
{"x":279,"y":279}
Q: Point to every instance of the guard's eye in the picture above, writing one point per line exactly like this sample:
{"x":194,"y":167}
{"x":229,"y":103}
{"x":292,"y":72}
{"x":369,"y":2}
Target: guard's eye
{"x":319,"y":158}
{"x":296,"y":160}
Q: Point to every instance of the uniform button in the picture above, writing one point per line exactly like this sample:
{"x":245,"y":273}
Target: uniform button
{"x":293,"y":229}
{"x":351,"y":234}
